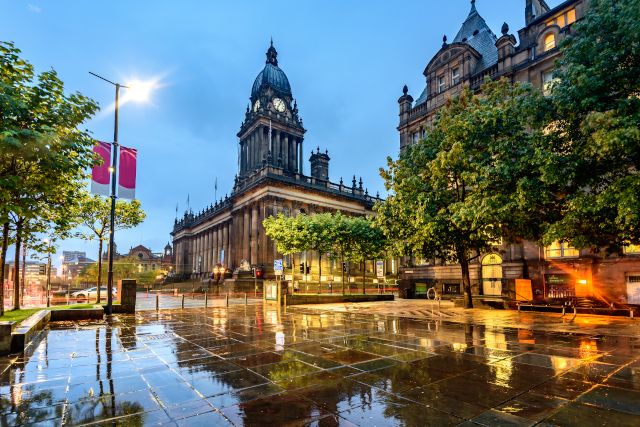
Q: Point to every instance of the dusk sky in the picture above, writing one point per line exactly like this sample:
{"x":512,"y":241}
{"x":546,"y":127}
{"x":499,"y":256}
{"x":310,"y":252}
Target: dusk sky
{"x":346,"y":61}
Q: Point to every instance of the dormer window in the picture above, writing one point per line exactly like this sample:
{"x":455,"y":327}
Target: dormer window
{"x":441,"y":84}
{"x":549,"y":42}
{"x":567,"y":18}
{"x":455,"y":76}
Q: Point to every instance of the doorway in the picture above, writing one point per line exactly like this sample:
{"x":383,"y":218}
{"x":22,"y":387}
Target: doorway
{"x":492,"y":275}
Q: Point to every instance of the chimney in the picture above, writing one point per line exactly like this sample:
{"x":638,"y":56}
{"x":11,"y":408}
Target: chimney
{"x":320,"y":165}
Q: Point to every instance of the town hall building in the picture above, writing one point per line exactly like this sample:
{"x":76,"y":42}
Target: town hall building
{"x":270,"y":180}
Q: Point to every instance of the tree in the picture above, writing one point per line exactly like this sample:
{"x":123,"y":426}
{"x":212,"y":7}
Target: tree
{"x":472,"y":181}
{"x":94,"y":217}
{"x":369,"y":243}
{"x":321,"y":237}
{"x":594,"y":159}
{"x":43,"y":154}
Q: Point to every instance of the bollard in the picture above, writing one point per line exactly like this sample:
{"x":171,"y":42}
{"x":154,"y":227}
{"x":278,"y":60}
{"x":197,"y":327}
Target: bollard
{"x":245,"y":298}
{"x":440,"y":312}
{"x":183,"y":301}
{"x":575,"y":311}
{"x":563,"y":310}
{"x":631,"y":313}
{"x":175,"y":292}
{"x":157,"y":302}
{"x":206,"y":299}
{"x":227,"y":299}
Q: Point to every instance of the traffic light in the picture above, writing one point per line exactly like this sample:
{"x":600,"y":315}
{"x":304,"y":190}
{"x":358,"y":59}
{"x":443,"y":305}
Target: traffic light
{"x":42,"y":270}
{"x":344,"y":267}
{"x":253,"y":272}
{"x":302,"y":268}
{"x":308,"y":269}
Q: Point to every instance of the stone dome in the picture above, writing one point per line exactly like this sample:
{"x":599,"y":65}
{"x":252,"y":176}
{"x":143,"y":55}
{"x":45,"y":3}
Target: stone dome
{"x":271,"y":76}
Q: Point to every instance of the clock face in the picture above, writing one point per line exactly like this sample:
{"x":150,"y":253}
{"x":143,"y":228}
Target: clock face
{"x":279,"y":105}
{"x":256,"y":106}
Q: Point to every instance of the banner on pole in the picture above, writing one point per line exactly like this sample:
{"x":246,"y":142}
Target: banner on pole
{"x":127,"y":173}
{"x":100,"y":176}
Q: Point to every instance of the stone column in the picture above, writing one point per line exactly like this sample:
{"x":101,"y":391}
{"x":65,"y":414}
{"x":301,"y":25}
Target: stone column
{"x":264,"y":254}
{"x":276,"y":154}
{"x":214,"y":247}
{"x":285,"y":153}
{"x":301,"y":157}
{"x":254,"y":234}
{"x":245,"y":234}
{"x":231,"y":247}
{"x":224,"y":246}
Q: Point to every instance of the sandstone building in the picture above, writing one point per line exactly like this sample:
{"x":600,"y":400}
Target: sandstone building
{"x":270,"y":180}
{"x":475,"y":52}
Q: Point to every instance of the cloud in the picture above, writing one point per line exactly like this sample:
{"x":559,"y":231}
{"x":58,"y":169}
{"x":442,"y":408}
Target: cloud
{"x":34,"y":8}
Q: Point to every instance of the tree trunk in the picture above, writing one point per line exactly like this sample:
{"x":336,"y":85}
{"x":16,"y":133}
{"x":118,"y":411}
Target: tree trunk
{"x":16,"y":265}
{"x":3,"y":260}
{"x":466,"y":280}
{"x":23,"y":286}
{"x":364,"y":277}
{"x":99,"y":269}
{"x":319,"y":272}
{"x":342,"y":267}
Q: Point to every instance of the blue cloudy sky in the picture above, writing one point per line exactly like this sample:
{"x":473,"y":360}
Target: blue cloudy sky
{"x":346,"y":60}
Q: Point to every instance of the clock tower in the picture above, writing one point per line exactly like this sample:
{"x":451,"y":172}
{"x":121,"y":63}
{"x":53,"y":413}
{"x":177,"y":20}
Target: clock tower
{"x":272,"y":132}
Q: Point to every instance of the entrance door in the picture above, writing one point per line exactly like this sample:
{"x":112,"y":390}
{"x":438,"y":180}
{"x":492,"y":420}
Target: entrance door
{"x":492,"y":275}
{"x":633,"y":289}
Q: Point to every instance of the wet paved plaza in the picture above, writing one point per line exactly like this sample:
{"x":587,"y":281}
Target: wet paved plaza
{"x":255,"y":365}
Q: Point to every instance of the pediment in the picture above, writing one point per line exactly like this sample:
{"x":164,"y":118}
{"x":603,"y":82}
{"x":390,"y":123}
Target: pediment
{"x":447,"y":54}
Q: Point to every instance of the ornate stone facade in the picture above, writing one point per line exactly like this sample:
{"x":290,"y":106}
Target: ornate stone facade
{"x":475,"y":53}
{"x":271,"y":180}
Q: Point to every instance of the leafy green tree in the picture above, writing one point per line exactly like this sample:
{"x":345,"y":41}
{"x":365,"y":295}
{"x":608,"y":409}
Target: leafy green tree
{"x":290,"y":233}
{"x":321,"y":237}
{"x":472,"y":181}
{"x":369,"y":243}
{"x":94,"y":216}
{"x":595,"y":157}
{"x":43,"y":153}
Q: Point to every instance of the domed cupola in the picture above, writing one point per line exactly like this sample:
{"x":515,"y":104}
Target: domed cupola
{"x":271,"y":76}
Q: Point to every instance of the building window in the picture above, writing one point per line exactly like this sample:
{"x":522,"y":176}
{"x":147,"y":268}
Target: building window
{"x":455,"y":76}
{"x":567,"y":18}
{"x":549,"y":42}
{"x":561,"y":250}
{"x":441,"y":84}
{"x":632,"y":249}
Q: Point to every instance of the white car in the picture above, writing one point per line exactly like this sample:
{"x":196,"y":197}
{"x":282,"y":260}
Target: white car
{"x":90,"y":293}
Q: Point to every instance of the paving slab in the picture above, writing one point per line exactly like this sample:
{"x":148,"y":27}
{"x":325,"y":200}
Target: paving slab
{"x":326,"y":365}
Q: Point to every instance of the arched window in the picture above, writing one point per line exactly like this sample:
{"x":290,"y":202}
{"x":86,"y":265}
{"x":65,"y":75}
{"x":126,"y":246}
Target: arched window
{"x":549,"y":42}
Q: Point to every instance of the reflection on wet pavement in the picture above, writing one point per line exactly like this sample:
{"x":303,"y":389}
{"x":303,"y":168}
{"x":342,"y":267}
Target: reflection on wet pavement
{"x":254,"y":365}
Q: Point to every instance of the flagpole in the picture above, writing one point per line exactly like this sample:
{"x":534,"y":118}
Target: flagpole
{"x":215,"y":190}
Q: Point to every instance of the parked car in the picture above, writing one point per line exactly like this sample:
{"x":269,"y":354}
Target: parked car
{"x":90,"y":293}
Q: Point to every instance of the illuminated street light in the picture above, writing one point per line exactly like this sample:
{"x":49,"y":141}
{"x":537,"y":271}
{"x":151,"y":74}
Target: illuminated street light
{"x":138,"y":92}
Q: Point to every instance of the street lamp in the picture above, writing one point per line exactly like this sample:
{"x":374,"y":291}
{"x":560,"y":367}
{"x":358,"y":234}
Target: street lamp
{"x":138,"y":92}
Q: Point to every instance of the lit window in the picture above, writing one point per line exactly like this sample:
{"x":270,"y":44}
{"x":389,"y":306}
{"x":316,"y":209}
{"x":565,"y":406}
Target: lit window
{"x":560,"y":250}
{"x":632,"y":249}
{"x":567,"y":18}
{"x":441,"y":84}
{"x":549,"y":42}
{"x":455,"y":76}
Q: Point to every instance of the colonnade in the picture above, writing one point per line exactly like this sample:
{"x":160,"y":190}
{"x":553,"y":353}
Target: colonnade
{"x":286,"y":150}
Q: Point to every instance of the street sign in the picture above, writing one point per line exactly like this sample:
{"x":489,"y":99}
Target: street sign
{"x":277,"y":267}
{"x":380,"y":269}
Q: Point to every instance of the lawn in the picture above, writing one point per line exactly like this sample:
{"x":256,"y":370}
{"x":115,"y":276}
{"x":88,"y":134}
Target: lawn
{"x":20,"y":315}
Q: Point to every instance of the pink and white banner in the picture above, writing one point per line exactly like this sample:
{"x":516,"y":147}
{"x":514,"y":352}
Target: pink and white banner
{"x":127,"y":173}
{"x":100,"y":176}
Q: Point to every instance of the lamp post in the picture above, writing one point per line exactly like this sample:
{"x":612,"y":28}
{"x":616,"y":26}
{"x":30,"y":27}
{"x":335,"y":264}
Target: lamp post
{"x":112,"y":215}
{"x":141,"y":95}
